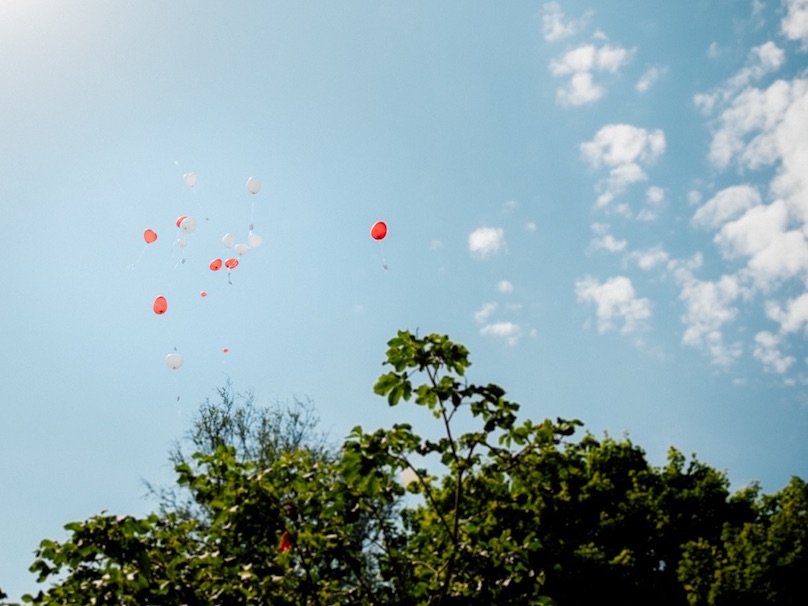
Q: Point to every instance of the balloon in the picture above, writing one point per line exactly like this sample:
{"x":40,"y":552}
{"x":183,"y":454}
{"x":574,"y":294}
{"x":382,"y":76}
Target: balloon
{"x":190,"y":179}
{"x":203,"y":294}
{"x":253,"y":185}
{"x":174,"y":360}
{"x":228,"y":240}
{"x":231,"y":263}
{"x":286,"y":543}
{"x":149,"y":236}
{"x":242,"y":249}
{"x":188,"y":225}
{"x":180,"y":242}
{"x":160,"y":305}
{"x":378,"y":231}
{"x":181,"y":219}
{"x":225,"y":350}
{"x":216,"y":264}
{"x":254,"y":240}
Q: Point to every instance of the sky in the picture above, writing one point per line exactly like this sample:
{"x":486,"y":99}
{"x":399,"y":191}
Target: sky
{"x":607,"y":203}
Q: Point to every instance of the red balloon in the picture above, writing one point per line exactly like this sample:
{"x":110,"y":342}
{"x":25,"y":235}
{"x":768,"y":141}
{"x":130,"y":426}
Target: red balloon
{"x":160,"y":305}
{"x":216,"y":264}
{"x":285,"y":543}
{"x":378,"y":231}
{"x":225,"y":350}
{"x":231,"y":263}
{"x":203,"y":294}
{"x":149,"y":236}
{"x":181,"y":219}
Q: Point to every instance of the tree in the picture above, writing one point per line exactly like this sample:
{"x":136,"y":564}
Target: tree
{"x":506,"y":513}
{"x":763,"y":560}
{"x":258,"y":434}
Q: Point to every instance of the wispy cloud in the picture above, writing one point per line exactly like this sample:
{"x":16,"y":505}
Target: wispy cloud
{"x":709,"y":305}
{"x":650,"y":258}
{"x":555,"y":26}
{"x":792,"y":317}
{"x":482,"y":314}
{"x":486,"y":241}
{"x":795,"y":23}
{"x":504,"y":286}
{"x":768,"y":351}
{"x":648,"y":79}
{"x":615,"y":303}
{"x":762,"y":231}
{"x":503,"y":330}
{"x":580,"y":64}
{"x":609,"y":243}
{"x":623,"y":149}
{"x":762,"y":60}
{"x":725,"y":205}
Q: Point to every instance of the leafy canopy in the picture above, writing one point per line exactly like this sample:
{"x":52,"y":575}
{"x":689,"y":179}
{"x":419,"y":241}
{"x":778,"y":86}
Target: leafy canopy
{"x":510,"y":512}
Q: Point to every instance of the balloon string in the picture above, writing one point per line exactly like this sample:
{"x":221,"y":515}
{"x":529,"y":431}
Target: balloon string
{"x":139,"y":257}
{"x":384,"y":261}
{"x":174,"y":245}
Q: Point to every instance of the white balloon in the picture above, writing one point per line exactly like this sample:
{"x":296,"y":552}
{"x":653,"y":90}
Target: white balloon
{"x":180,"y":242}
{"x":190,"y":179}
{"x":408,"y":476}
{"x":188,"y":225}
{"x":242,"y":249}
{"x":253,"y":185}
{"x":174,"y":360}
{"x":254,"y":240}
{"x":228,"y":240}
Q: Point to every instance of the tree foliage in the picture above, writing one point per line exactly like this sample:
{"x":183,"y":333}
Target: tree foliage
{"x":509,"y":512}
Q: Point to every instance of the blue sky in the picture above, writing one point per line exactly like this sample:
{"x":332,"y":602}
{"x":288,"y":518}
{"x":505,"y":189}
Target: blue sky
{"x":607,"y":203}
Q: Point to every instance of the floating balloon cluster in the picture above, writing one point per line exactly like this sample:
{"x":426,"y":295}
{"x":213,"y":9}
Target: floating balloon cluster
{"x":188,"y":224}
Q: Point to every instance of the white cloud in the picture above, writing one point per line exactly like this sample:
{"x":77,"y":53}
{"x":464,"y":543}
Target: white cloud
{"x":485,"y":312}
{"x":648,"y":259}
{"x":555,"y":27}
{"x":774,"y":252}
{"x":580,"y":90}
{"x":503,"y":330}
{"x":530,"y":226}
{"x":765,"y":112}
{"x":600,"y":228}
{"x":768,"y":352}
{"x":725,"y":205}
{"x":615,"y":301}
{"x":486,"y":241}
{"x":795,"y":23}
{"x":608,"y":242}
{"x":617,"y":145}
{"x":713,"y":51}
{"x":580,"y":64}
{"x":709,"y":305}
{"x":757,"y":128}
{"x":622,"y":148}
{"x":793,"y":318}
{"x":504,"y":286}
{"x":655,"y":195}
{"x":754,"y":231}
{"x":648,"y":79}
{"x":762,"y":60}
